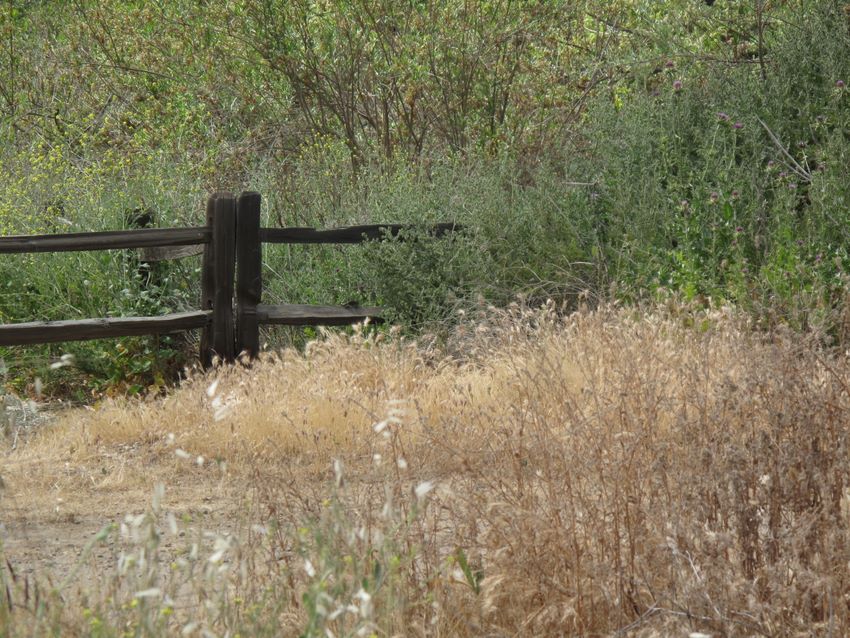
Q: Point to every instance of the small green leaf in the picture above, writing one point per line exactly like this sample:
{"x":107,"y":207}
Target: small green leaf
{"x":473,"y":579}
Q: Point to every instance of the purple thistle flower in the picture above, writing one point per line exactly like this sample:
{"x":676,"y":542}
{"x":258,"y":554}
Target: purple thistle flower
{"x":792,"y":185}
{"x":839,"y":84}
{"x":738,"y":125}
{"x":714,"y":197}
{"x":723,"y":116}
{"x":677,"y":85}
{"x":669,"y":64}
{"x":735,"y":194}
{"x":739,"y":229}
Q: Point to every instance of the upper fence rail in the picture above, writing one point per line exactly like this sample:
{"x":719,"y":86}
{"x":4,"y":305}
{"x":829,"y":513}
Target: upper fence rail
{"x":346,"y":234}
{"x":195,"y":236}
{"x":104,"y":240}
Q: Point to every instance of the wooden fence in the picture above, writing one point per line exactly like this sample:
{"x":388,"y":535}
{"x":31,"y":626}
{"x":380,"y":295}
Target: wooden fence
{"x":231,"y":311}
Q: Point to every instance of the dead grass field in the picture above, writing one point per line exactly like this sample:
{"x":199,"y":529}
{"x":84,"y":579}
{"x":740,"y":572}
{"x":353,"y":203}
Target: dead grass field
{"x":610,"y":473}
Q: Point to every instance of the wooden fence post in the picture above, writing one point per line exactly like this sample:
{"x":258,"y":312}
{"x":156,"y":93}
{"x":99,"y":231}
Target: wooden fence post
{"x":249,"y":278}
{"x":219,"y":265}
{"x":207,"y":288}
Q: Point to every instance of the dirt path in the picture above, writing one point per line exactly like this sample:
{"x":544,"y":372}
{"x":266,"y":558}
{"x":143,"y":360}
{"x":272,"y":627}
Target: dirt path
{"x":49,"y":542}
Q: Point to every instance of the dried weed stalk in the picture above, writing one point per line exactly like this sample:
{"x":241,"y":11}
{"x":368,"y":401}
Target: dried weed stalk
{"x":605,"y":473}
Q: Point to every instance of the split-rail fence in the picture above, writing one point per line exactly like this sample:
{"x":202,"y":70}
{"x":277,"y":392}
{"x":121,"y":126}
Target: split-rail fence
{"x":231,"y":311}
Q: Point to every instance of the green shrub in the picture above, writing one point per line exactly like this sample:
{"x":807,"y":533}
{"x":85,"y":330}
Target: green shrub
{"x":697,"y":193}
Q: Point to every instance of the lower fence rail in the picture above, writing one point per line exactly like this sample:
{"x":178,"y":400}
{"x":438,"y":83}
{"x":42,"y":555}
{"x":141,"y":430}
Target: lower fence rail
{"x":307,"y":315}
{"x":22,"y":334}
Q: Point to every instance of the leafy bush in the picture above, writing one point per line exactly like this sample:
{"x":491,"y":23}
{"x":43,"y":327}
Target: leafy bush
{"x":717,"y":182}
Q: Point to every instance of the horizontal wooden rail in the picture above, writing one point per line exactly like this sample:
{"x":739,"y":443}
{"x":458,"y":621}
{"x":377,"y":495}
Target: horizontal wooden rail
{"x":107,"y":240}
{"x":306,"y":315}
{"x":346,"y":234}
{"x":20,"y":334}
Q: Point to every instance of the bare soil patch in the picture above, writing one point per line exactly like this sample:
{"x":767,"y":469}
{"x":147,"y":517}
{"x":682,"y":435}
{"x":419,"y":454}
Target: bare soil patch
{"x":46,"y":535}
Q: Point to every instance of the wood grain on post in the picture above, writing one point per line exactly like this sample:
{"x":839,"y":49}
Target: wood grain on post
{"x":208,"y":286}
{"x":224,"y":270}
{"x":249,"y":281}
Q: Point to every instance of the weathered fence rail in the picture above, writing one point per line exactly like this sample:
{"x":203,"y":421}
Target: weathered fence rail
{"x":231,"y":310}
{"x":107,"y":240}
{"x":347,"y":235}
{"x":17,"y":334}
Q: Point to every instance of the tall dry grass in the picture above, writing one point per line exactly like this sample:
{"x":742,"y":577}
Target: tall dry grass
{"x":607,"y":473}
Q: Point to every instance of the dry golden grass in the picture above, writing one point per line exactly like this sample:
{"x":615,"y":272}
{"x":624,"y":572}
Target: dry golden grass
{"x":605,"y":473}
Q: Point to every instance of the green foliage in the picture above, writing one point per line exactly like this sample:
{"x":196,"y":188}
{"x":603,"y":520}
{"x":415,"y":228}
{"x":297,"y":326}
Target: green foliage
{"x":473,"y":578}
{"x":515,"y":238}
{"x":388,"y":77}
{"x":724,"y":184}
{"x":584,"y":146}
